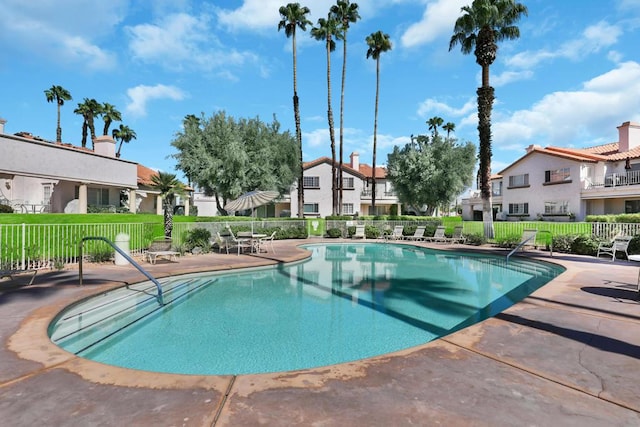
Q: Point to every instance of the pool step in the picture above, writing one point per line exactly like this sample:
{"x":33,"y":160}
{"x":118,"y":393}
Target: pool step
{"x":93,"y":320}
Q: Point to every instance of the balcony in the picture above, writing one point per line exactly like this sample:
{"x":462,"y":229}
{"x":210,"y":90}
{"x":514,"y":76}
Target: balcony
{"x":617,"y":180}
{"x":380,"y":195}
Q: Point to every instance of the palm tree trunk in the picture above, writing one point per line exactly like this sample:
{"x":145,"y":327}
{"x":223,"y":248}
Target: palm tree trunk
{"x":344,"y":76}
{"x":332,"y":136}
{"x":58,"y":128}
{"x":485,"y":103}
{"x":296,"y":115}
{"x":84,"y":134}
{"x":375,"y":139}
{"x":168,"y":220}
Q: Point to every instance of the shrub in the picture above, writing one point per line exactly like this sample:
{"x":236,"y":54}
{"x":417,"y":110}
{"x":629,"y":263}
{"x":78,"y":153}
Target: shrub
{"x":585,"y":245}
{"x":6,"y":209}
{"x":334,"y":233}
{"x":563,"y":242}
{"x":198,"y":237}
{"x":372,"y":232}
{"x":474,"y":239}
{"x":510,"y":241}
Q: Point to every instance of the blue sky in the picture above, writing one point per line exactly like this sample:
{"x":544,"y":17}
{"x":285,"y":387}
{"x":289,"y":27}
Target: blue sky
{"x":570,"y":80}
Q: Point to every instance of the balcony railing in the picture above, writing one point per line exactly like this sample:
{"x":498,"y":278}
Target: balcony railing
{"x":617,"y":180}
{"x":366,"y":194}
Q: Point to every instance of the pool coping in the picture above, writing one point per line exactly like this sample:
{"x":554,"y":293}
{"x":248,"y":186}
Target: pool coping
{"x":231,"y":395}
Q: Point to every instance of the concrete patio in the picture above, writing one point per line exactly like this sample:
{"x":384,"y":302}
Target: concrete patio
{"x":568,"y":355}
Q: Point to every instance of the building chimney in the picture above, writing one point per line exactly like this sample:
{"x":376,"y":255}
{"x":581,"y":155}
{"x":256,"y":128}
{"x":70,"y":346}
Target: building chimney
{"x":628,"y":136}
{"x":355,"y":161}
{"x":104,"y":145}
{"x":2,"y":123}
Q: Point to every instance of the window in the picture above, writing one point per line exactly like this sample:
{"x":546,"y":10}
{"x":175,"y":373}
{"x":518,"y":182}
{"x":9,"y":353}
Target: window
{"x":556,"y":208}
{"x":347,"y":208}
{"x":496,"y":188}
{"x":631,"y":206}
{"x":348,"y":183}
{"x":98,"y":196}
{"x":518,"y":208}
{"x":311,"y":208}
{"x":311,"y":182}
{"x":519,"y":180}
{"x":557,"y":175}
{"x":46,"y":193}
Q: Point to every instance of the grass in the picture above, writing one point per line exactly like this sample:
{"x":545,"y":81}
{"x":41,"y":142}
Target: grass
{"x":107,"y":218}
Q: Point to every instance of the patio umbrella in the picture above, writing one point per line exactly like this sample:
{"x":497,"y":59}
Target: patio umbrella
{"x":251,"y":200}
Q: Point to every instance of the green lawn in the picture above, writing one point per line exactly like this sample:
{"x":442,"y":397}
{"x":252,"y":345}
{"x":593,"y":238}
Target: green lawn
{"x":92,"y":218}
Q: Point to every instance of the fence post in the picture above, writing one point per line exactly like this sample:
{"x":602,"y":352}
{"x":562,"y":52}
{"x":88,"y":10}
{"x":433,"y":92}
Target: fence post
{"x":24,"y":233}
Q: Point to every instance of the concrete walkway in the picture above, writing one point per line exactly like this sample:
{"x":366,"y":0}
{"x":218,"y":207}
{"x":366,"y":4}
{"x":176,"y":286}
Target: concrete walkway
{"x":568,"y":355}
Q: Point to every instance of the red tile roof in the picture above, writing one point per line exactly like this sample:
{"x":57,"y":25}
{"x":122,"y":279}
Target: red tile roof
{"x":365,"y":171}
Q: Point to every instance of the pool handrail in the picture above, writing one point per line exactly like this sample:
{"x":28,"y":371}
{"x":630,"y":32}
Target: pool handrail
{"x":521,"y":244}
{"x":125,"y":256}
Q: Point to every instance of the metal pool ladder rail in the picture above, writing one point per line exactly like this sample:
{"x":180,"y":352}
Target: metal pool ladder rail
{"x":521,"y":244}
{"x":125,"y":256}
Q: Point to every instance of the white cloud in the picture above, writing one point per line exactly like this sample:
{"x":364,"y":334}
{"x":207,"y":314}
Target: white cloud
{"x":438,"y":19}
{"x":431,"y":106}
{"x":140,"y":95}
{"x":507,"y":77}
{"x":565,"y":118}
{"x":181,"y":41}
{"x":594,"y":39}
{"x":47,"y":29}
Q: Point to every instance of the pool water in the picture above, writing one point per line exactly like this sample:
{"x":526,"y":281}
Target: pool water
{"x":348,"y":302}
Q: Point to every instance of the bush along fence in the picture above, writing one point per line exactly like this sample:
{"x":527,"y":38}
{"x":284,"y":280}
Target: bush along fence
{"x":52,"y":246}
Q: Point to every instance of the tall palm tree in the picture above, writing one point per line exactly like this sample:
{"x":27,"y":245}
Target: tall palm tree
{"x":123,"y":134}
{"x":346,"y":13}
{"x":482,"y":25}
{"x":378,"y":43}
{"x":326,"y":30}
{"x":449,"y":127}
{"x":434,"y":123}
{"x":169,"y":187}
{"x":88,"y":110}
{"x":59,"y":95}
{"x":295,"y":16}
{"x":109,"y":114}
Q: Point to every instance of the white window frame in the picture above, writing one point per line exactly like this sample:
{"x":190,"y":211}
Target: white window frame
{"x":556,"y":207}
{"x":348,"y":183}
{"x":557,"y":175}
{"x":347,"y":208}
{"x":311,"y":182}
{"x":518,"y":208}
{"x":314,"y":206}
{"x":521,"y":180}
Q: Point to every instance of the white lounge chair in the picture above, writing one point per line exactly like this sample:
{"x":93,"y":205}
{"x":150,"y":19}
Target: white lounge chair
{"x":418,"y":234}
{"x":619,"y":244}
{"x":457,"y":236}
{"x":528,"y":239}
{"x":438,"y":235}
{"x":396,"y":234}
{"x":263,"y":242}
{"x":240,"y":242}
{"x":11,"y":273}
{"x":359,"y":233}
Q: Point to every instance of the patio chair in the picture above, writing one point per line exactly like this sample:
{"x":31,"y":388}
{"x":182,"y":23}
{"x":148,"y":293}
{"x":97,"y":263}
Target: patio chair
{"x":359,"y":233}
{"x":438,"y":235}
{"x":418,"y":234}
{"x":222,"y":242}
{"x":240,"y":242}
{"x":396,"y":234}
{"x":267,"y":241}
{"x":161,"y":248}
{"x":619,"y":244}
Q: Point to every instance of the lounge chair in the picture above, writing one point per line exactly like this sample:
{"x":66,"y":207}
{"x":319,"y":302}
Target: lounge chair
{"x":11,"y":273}
{"x":528,"y":239}
{"x":438,"y":235}
{"x":160,"y":248}
{"x":222,"y":242}
{"x":619,"y":244}
{"x":418,"y":234}
{"x":457,"y":236}
{"x":396,"y":234}
{"x":359,"y":233}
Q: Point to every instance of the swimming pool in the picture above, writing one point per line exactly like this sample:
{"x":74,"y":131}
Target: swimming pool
{"x":347,"y":302}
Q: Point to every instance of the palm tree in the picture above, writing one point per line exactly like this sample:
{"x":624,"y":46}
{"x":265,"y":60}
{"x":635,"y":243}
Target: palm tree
{"x":326,"y":30}
{"x":88,"y":110}
{"x":434,"y":123}
{"x":109,"y":114}
{"x":295,"y":16}
{"x":345,"y":13}
{"x":123,"y":134}
{"x":483,"y":24}
{"x":169,"y":187}
{"x":58,"y":94}
{"x":378,"y":43}
{"x":449,"y":127}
